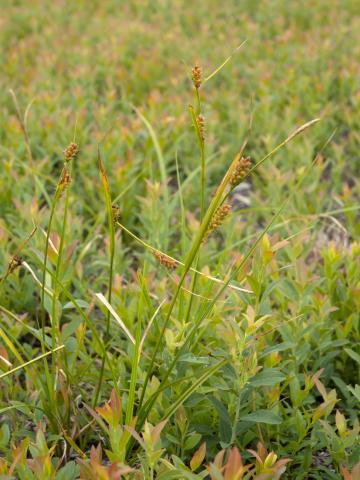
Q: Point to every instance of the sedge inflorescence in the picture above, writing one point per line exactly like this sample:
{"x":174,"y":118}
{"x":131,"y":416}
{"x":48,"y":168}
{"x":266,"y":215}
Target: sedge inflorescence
{"x":71,"y":152}
{"x":200,"y":120}
{"x":197,"y":76}
{"x":15,"y":262}
{"x":65,"y":179}
{"x":218,"y":218}
{"x":164,"y":260}
{"x":240,"y":171}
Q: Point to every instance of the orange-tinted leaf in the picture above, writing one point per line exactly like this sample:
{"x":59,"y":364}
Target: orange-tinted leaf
{"x":355,"y":474}
{"x":218,"y":461}
{"x":234,"y":465}
{"x":134,"y":434}
{"x":155,"y":434}
{"x":320,"y":386}
{"x":115,"y":404}
{"x":345,"y":473}
{"x":198,"y":457}
{"x":96,"y":454}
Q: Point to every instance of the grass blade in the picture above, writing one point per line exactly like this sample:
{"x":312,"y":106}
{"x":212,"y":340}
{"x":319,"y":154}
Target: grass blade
{"x":36,"y":359}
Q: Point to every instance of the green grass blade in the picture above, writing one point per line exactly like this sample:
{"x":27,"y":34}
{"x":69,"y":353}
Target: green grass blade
{"x":26,"y":364}
{"x":193,"y":387}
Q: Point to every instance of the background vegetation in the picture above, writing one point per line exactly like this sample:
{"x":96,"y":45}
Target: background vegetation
{"x":277,"y":368}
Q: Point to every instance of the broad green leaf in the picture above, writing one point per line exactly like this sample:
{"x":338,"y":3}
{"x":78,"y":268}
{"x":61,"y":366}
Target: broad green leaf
{"x":192,"y":441}
{"x":355,"y":356}
{"x":262,"y":416}
{"x":355,"y":391}
{"x":267,"y":378}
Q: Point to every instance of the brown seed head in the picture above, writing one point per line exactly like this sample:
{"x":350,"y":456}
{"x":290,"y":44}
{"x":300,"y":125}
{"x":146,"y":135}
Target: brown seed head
{"x":218,"y":218}
{"x":196,"y":76}
{"x":71,"y":151}
{"x":240,"y":171}
{"x":65,"y":179}
{"x":165,"y":260}
{"x":200,"y":120}
{"x":116,"y":212}
{"x":15,"y":262}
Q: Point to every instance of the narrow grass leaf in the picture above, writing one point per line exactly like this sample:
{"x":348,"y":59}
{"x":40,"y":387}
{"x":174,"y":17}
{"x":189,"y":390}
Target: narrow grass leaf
{"x":26,"y":364}
{"x":104,"y":301}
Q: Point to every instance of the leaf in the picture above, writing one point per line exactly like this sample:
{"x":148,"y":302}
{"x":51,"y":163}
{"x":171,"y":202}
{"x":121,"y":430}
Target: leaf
{"x":198,"y":457}
{"x":190,"y":358}
{"x":234,"y":467}
{"x":355,"y":391}
{"x":262,"y":416}
{"x":278,"y":348}
{"x":212,"y":74}
{"x":105,"y":302}
{"x":190,"y":390}
{"x":267,"y":378}
{"x":288,"y":289}
{"x":355,"y":356}
{"x":23,"y":365}
{"x":192,"y":441}
{"x":80,"y":303}
{"x":221,"y":409}
{"x":69,"y":472}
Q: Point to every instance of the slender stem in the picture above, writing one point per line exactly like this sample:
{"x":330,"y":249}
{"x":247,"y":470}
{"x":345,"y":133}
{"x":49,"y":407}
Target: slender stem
{"x":135,"y":363}
{"x":202,"y":196}
{"x":42,"y":305}
{"x":55,"y":322}
{"x":111,"y":266}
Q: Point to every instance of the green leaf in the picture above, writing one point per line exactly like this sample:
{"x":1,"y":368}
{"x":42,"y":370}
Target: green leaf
{"x":190,"y":358}
{"x":221,"y":409}
{"x":262,"y":416}
{"x":4,"y":435}
{"x":355,"y":391}
{"x":288,"y":289}
{"x":80,"y":303}
{"x":267,"y":378}
{"x":190,"y":390}
{"x":278,"y":348}
{"x":192,"y":441}
{"x":69,"y":472}
{"x":355,"y":356}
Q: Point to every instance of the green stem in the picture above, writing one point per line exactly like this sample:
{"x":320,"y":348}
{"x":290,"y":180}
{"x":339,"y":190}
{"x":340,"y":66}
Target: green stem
{"x":42,"y":305}
{"x":111,"y":262}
